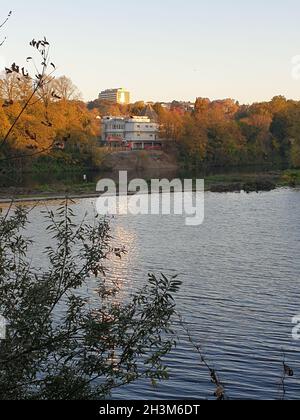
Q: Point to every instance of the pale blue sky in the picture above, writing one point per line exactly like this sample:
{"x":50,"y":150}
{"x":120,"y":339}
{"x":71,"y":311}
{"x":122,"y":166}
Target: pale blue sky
{"x":165,"y":49}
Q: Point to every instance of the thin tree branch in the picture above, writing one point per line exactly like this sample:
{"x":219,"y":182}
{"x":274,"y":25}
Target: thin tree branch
{"x":29,"y":155}
{"x":6,"y":20}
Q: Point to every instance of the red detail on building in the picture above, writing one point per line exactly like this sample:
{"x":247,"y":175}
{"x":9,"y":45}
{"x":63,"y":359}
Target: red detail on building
{"x":115,"y":139}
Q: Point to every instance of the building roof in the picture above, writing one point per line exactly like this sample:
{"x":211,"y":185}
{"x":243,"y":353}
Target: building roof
{"x":140,"y":119}
{"x":114,"y":90}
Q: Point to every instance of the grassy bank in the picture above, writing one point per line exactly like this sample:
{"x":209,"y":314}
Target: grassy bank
{"x":45,"y":190}
{"x":264,"y":181}
{"x":216,"y":183}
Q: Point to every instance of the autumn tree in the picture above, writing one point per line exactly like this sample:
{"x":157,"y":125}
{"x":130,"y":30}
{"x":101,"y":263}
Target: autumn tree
{"x":255,"y":121}
{"x":171,"y":122}
{"x":9,"y":87}
{"x":42,"y":114}
{"x":137,"y":108}
{"x":201,"y":107}
{"x":193,"y":140}
{"x":65,"y":89}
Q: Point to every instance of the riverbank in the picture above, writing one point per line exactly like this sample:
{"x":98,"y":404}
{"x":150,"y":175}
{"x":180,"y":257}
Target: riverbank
{"x":234,"y":182}
{"x":265,"y":181}
{"x":140,"y":160}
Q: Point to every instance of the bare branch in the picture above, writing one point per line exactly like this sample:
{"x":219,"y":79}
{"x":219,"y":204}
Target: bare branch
{"x":7,"y":18}
{"x":4,"y":23}
{"x":39,"y":152}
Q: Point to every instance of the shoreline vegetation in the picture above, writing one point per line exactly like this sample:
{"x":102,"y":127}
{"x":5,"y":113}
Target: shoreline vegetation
{"x":58,"y":141}
{"x":218,"y":183}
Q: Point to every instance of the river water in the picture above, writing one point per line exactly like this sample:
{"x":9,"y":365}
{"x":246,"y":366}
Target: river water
{"x":241,"y":275}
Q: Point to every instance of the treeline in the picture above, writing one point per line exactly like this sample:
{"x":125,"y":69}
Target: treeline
{"x":105,"y":108}
{"x":59,"y":128}
{"x":223,"y":132}
{"x":55,"y":129}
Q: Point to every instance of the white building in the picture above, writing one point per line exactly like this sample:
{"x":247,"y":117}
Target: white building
{"x":133,"y":132}
{"x":116,"y":96}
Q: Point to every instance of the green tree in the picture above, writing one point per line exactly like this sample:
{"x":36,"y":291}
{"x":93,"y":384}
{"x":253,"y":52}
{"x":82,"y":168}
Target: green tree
{"x":226,"y":144}
{"x":194,"y":139}
{"x":285,"y":128}
{"x":61,"y":344}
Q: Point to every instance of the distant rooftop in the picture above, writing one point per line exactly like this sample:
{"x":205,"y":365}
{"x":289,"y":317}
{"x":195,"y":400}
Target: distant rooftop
{"x":121,"y":89}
